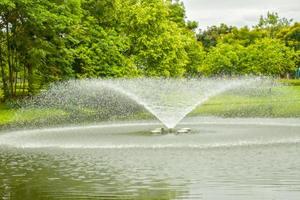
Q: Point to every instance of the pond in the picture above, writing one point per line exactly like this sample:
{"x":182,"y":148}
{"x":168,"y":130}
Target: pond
{"x":219,"y":159}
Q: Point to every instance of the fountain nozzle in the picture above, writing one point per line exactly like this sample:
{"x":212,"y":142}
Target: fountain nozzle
{"x":170,"y":130}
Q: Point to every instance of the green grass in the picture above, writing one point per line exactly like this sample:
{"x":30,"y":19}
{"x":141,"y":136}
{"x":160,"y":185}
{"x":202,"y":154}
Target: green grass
{"x":294,"y":82}
{"x":10,"y":116}
{"x":6,"y":114}
{"x":280,"y":102}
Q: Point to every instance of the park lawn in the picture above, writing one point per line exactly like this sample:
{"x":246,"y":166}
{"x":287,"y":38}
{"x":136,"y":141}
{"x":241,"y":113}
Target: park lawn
{"x":6,"y":114}
{"x":283,"y":101}
{"x":12,"y":115}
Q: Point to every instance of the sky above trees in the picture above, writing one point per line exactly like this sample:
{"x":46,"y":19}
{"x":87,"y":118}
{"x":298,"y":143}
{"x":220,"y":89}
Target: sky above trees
{"x":238,"y":12}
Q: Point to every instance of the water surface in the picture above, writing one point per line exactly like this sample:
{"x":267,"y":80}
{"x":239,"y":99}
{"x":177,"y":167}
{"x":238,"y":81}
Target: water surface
{"x":220,"y":159}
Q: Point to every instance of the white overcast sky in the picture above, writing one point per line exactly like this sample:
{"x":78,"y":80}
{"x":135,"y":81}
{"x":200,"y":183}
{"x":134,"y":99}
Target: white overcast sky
{"x":238,"y":12}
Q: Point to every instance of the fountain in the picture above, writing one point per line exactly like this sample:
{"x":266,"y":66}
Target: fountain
{"x":169,"y":100}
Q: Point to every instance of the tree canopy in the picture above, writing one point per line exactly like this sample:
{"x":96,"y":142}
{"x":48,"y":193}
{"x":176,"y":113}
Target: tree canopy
{"x":42,"y":41}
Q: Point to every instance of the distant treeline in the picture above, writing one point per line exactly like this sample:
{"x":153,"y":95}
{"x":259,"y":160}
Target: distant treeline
{"x":270,"y":48}
{"x":42,"y":41}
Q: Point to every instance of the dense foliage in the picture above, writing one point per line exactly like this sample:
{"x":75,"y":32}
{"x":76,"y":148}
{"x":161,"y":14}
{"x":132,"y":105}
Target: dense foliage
{"x":42,"y":41}
{"x":270,"y":48}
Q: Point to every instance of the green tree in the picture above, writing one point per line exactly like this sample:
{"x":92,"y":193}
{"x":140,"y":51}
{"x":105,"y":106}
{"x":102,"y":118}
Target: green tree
{"x":273,"y":23}
{"x":34,"y":32}
{"x":99,"y":44}
{"x":224,"y":59}
{"x":291,"y":36}
{"x":158,"y":42}
{"x":268,"y":57}
{"x":243,"y":36}
{"x":147,"y":38}
{"x":210,"y":37}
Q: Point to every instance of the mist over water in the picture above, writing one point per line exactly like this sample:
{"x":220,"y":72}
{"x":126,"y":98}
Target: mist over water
{"x":169,"y":100}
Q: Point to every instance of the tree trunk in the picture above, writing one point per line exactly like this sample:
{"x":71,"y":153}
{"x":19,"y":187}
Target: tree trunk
{"x":3,"y":76}
{"x":16,"y":67}
{"x":10,"y":70}
{"x":13,"y":71}
{"x":30,"y":80}
{"x":16,"y":82}
{"x":24,"y":81}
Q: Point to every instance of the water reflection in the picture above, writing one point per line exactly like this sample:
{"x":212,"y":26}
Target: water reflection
{"x":33,"y":174}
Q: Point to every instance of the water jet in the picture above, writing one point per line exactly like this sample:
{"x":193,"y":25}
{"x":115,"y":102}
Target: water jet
{"x":168,"y":100}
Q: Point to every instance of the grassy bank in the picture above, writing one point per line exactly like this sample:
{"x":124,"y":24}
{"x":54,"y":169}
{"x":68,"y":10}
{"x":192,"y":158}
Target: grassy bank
{"x":6,"y":114}
{"x":281,"y":101}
